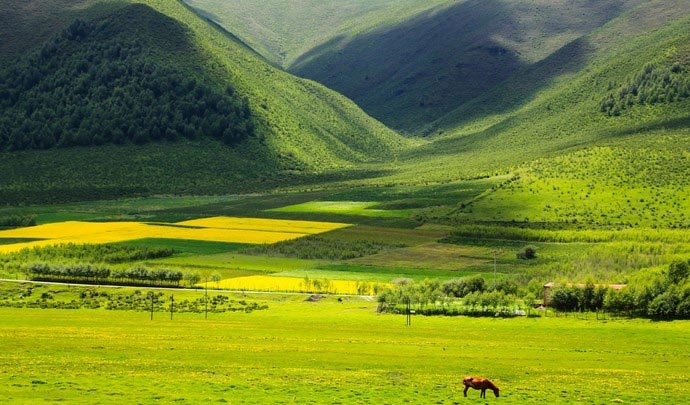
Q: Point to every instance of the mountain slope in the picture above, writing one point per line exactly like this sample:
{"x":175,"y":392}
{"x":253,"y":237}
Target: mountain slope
{"x":110,"y":81}
{"x":283,"y":30}
{"x":299,"y":126}
{"x":411,"y":67}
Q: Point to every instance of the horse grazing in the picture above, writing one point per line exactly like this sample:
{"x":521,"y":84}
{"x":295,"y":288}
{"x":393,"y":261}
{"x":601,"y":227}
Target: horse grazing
{"x":479,"y":383}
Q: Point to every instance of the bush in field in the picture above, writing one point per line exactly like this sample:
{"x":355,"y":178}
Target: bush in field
{"x":528,"y":253}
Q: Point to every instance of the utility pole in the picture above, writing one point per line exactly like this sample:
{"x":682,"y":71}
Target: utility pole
{"x":172,"y":305}
{"x":151,"y":305}
{"x":496,"y":253}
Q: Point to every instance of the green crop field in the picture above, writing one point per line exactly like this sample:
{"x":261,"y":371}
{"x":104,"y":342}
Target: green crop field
{"x":333,"y":351}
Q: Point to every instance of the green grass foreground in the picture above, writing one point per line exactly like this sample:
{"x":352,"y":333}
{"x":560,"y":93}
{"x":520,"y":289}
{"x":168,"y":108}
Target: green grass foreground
{"x":331,"y":352}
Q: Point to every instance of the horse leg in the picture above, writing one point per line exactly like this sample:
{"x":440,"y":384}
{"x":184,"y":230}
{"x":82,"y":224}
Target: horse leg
{"x":466,"y":388}
{"x":483,"y":394}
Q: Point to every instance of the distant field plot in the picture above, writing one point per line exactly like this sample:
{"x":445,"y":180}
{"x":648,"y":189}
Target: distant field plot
{"x":186,"y":247}
{"x":360,"y":208}
{"x":228,"y":230}
{"x":237,"y":261}
{"x":360,"y":272}
{"x":409,"y":237}
{"x":259,"y":224}
{"x":431,"y":256}
{"x":305,"y":285}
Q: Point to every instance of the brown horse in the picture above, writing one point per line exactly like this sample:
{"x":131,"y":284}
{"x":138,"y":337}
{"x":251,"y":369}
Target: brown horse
{"x":479,"y":383}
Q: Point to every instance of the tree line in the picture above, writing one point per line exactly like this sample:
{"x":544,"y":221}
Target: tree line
{"x":17,"y":221}
{"x":664,"y":295}
{"x":100,"y":253}
{"x":88,"y":87}
{"x":94,"y":273}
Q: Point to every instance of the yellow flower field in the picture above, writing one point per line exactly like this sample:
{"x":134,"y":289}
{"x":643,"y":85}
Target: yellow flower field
{"x":290,"y":226}
{"x":219,"y":229}
{"x":293,"y":284}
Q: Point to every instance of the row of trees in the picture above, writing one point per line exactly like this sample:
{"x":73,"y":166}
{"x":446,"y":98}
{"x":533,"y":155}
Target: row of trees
{"x":88,"y":87}
{"x":653,"y":85}
{"x":431,"y":297}
{"x":90,"y":273}
{"x":17,"y":221}
{"x":98,"y":253}
{"x":587,"y":298}
{"x":665,"y":296}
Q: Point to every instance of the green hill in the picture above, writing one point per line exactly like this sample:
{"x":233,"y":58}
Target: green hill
{"x":284,"y":30}
{"x":298,"y":127}
{"x":408,"y":63}
{"x":603,"y":144}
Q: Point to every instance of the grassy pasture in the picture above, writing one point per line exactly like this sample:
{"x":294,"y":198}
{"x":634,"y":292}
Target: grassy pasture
{"x":361,"y":208}
{"x":333,"y":352}
{"x":237,"y":261}
{"x":381,"y":274}
{"x":431,"y":256}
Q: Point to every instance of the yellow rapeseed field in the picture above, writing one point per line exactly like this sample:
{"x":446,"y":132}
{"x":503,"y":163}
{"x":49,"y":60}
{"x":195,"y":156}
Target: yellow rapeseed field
{"x":293,"y":284}
{"x":219,"y":229}
{"x":260,"y":224}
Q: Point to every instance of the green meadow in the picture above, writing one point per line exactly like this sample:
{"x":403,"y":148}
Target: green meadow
{"x":333,"y":351}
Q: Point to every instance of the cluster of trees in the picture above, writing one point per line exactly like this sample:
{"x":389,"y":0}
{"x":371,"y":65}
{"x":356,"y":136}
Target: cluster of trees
{"x":431,"y":297}
{"x":90,"y":273}
{"x":666,"y":296}
{"x":87,"y":87}
{"x":99,"y":253}
{"x":573,"y":298}
{"x":319,"y":247}
{"x":653,"y":85}
{"x":17,"y":221}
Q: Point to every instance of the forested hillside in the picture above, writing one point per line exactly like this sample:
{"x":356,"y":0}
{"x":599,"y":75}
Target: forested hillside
{"x":131,"y":72}
{"x":104,"y":82}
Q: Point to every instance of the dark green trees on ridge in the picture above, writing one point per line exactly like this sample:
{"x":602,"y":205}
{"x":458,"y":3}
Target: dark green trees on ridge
{"x":654,"y":84}
{"x":90,"y":87}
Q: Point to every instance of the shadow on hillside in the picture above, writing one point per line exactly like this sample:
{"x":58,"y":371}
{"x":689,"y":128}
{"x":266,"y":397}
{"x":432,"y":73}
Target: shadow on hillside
{"x":415,"y":73}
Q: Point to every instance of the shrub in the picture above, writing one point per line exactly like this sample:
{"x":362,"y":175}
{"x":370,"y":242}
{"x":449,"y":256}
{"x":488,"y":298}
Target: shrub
{"x":528,"y":253}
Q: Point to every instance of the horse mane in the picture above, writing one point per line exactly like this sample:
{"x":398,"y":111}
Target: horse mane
{"x":490,"y":384}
